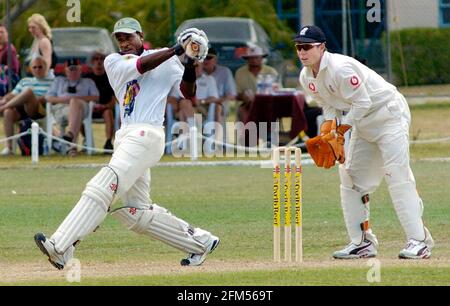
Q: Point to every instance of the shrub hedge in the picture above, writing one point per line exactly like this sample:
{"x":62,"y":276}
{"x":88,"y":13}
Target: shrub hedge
{"x":426,"y":54}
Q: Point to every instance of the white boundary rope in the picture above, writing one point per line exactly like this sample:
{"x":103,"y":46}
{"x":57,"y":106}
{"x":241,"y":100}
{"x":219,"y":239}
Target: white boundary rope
{"x":17,"y":136}
{"x":72,"y":144}
{"x":429,"y":141}
{"x":209,"y":141}
{"x":231,"y":163}
{"x":260,"y":149}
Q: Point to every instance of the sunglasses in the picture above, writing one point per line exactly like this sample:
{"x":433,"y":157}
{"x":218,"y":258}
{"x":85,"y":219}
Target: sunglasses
{"x":73,"y":68}
{"x":37,"y":67}
{"x":209,"y":57}
{"x":306,"y":47}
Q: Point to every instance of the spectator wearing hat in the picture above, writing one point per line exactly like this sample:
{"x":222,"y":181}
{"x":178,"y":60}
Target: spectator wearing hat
{"x":26,"y":100}
{"x":225,"y":83}
{"x":246,"y":78}
{"x":104,"y":108}
{"x":70,"y":95}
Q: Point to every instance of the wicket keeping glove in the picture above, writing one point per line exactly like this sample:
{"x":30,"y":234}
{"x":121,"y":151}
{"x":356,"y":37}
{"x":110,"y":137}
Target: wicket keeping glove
{"x":335,"y":138}
{"x":320,"y":152}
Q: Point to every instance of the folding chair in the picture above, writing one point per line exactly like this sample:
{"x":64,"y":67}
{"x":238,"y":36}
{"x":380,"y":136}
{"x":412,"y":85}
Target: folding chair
{"x":171,"y":123}
{"x":87,"y":123}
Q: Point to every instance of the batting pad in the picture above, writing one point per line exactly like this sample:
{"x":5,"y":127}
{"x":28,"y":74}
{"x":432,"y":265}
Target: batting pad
{"x":89,"y":212}
{"x":159,"y":223}
{"x":407,"y":203}
{"x":355,"y":211}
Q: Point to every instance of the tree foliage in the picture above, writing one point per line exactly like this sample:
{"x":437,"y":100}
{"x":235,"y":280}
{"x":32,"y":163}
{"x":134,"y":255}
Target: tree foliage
{"x":18,"y":7}
{"x":154,"y":16}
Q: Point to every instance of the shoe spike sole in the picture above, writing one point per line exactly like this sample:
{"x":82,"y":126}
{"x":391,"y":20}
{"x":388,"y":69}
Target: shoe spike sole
{"x":39,"y":238}
{"x":186,"y":262}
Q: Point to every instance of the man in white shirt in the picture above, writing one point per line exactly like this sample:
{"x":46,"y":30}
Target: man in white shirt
{"x":206,"y":93}
{"x":379,"y":143}
{"x":70,"y":96}
{"x":141,"y":80}
{"x":225,"y":83}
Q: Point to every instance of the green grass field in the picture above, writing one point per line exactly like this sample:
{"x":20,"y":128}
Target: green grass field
{"x":234,"y":203}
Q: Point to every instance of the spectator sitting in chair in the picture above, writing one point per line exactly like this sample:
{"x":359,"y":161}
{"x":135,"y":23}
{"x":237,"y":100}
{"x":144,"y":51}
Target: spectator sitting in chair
{"x":225,"y":82}
{"x":246,"y":78}
{"x":205,"y":95}
{"x":225,"y":85}
{"x":27,"y":99}
{"x":104,"y":108}
{"x":70,"y":96}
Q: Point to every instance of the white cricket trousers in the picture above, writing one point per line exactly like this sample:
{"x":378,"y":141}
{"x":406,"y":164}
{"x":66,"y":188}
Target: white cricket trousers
{"x":137,"y":147}
{"x":379,"y":148}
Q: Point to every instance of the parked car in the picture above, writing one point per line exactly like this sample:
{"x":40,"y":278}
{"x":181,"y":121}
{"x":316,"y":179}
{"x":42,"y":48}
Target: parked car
{"x":232,"y":37}
{"x":79,"y":42}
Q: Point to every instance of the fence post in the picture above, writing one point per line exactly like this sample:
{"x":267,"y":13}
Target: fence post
{"x":193,"y":133}
{"x":34,"y":143}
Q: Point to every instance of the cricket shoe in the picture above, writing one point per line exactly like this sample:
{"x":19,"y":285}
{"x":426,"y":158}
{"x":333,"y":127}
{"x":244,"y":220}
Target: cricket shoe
{"x":198,"y":259}
{"x":418,"y":249}
{"x":48,"y":248}
{"x":415,"y":250}
{"x":352,"y":251}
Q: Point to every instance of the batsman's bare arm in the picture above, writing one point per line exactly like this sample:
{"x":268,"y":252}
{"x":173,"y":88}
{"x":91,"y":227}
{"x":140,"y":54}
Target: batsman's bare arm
{"x":151,"y":61}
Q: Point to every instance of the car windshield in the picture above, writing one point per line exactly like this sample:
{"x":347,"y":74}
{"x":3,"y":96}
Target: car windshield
{"x":237,"y":31}
{"x":80,"y":41}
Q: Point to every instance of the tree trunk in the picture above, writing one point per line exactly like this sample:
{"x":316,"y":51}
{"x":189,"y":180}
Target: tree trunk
{"x":18,"y":9}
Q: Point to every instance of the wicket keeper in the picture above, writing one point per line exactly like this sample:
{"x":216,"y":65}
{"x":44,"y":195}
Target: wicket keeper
{"x":379,"y":119}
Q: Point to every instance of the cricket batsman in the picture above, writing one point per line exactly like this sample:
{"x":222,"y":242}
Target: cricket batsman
{"x":141,"y":80}
{"x":379,"y":119}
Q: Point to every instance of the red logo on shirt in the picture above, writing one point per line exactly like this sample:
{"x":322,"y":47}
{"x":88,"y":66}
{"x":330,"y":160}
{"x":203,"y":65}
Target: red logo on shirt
{"x":354,"y":81}
{"x":312,"y":87}
{"x":113,"y":187}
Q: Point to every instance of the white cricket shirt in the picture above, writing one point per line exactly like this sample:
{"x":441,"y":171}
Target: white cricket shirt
{"x":345,"y":84}
{"x":142,"y":97}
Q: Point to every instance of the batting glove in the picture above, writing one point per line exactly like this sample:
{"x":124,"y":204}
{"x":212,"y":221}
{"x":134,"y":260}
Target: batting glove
{"x":195,"y":43}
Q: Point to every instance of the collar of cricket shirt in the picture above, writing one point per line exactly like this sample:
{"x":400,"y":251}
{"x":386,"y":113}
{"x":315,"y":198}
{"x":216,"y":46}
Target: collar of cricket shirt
{"x":324,"y":61}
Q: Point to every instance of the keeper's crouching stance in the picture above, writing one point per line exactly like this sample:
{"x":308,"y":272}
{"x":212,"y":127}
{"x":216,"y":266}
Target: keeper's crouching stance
{"x":139,"y":145}
{"x":379,"y":144}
